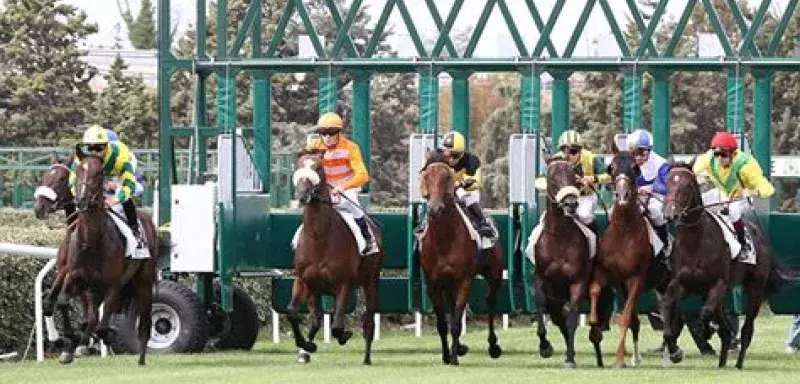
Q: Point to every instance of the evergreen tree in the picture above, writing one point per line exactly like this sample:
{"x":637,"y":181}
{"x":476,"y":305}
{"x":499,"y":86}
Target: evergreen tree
{"x":142,"y":28}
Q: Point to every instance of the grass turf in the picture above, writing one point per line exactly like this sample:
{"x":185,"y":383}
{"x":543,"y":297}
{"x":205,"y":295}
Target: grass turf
{"x":399,"y":357}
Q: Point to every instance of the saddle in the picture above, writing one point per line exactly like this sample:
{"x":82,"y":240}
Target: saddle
{"x":537,"y":233}
{"x":482,"y":242}
{"x":351,"y":224}
{"x":741,"y":254}
{"x":131,"y":241}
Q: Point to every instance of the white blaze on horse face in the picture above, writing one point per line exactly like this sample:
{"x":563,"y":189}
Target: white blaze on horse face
{"x":306,"y":172}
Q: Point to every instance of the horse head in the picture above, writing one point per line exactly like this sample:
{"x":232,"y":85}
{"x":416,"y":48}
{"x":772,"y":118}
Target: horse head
{"x":561,"y":189}
{"x":437,"y":183}
{"x":54,"y":193}
{"x":683,"y":191}
{"x":309,"y":176}
{"x":624,"y":170}
{"x":89,"y":183}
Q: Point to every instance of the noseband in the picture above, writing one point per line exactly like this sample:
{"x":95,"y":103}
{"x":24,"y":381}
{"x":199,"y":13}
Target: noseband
{"x":59,"y":201}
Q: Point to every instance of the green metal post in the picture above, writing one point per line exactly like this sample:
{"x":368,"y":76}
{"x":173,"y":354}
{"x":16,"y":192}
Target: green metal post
{"x":165,"y":128}
{"x":361,"y":121}
{"x":560,"y":105}
{"x":735,"y":98}
{"x":661,"y":112}
{"x":530,"y":105}
{"x":327,"y":92}
{"x":201,"y":119}
{"x":460,"y":104}
{"x":428,"y":103}
{"x":262,"y":92}
{"x":762,"y":108}
{"x":632,"y":105}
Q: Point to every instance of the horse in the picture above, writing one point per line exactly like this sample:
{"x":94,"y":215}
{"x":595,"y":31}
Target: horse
{"x":625,"y":258}
{"x":562,"y":260}
{"x":96,"y":266}
{"x":327,"y":261}
{"x":702,"y":264}
{"x":54,"y":193}
{"x":450,"y":259}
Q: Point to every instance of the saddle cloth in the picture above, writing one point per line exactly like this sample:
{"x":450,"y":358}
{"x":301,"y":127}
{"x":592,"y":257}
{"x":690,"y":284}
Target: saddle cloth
{"x":482,"y":242}
{"x":537,"y":232}
{"x":351,"y":223}
{"x":127,"y":233}
{"x":655,"y":241}
{"x":734,"y":245}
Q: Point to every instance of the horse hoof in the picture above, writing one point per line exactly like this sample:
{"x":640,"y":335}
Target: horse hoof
{"x":58,"y":344}
{"x":495,"y":351}
{"x":546,"y":351}
{"x":462,"y":349}
{"x":446,"y":359}
{"x":636,"y":361}
{"x":66,"y":358}
{"x":303,"y":357}
{"x":570,"y":365}
{"x":454,"y":360}
{"x":310,"y":347}
{"x":367,"y":361}
{"x":82,"y":351}
{"x":676,"y":357}
{"x":621,"y":365}
{"x":341,"y":335}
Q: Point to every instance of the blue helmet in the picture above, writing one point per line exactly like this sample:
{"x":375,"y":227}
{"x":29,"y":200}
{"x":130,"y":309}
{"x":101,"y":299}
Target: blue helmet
{"x":640,"y":139}
{"x":112,"y":136}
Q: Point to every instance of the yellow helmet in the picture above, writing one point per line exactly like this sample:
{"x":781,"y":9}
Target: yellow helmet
{"x":569,"y":138}
{"x":330,"y":120}
{"x":455,"y":141}
{"x":95,"y":135}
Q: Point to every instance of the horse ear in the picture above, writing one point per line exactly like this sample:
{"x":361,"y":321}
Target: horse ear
{"x":54,"y":158}
{"x":79,"y":153}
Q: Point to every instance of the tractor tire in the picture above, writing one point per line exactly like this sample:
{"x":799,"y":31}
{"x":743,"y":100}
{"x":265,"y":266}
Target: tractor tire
{"x":243,"y":323}
{"x":179,"y":323}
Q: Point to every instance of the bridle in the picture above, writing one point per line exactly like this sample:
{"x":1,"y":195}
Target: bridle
{"x":447,"y":198}
{"x":95,"y":199}
{"x":58,"y":200}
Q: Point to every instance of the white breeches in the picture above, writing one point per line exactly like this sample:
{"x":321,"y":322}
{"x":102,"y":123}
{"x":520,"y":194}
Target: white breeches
{"x":735,"y":209}
{"x":468,"y":197}
{"x":351,"y":206}
{"x":655,"y":210}
{"x":586,"y":206}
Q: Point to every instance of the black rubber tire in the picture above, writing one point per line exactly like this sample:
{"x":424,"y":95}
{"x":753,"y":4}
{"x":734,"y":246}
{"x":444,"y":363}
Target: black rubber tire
{"x":193,"y":324}
{"x":244,"y":323}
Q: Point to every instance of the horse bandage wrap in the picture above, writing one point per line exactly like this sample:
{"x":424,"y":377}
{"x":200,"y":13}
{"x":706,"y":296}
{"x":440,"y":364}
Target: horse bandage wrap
{"x":46,"y":192}
{"x":566,"y":191}
{"x":305,"y":173}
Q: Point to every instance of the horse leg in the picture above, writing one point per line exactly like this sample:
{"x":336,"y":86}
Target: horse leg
{"x":491,"y":301}
{"x":634,"y":289}
{"x":755,"y":296}
{"x":368,"y":320}
{"x":461,"y":298}
{"x":596,"y":333}
{"x":315,"y":314}
{"x":571,"y":313}
{"x":91,"y":317}
{"x":299,"y":292}
{"x":338,"y":330}
{"x":669,"y":310}
{"x":111,"y":304}
{"x":144,"y":304}
{"x":712,"y":308}
{"x":436,"y":295}
{"x":48,"y":310}
{"x":545,"y":348}
{"x":636,"y":359}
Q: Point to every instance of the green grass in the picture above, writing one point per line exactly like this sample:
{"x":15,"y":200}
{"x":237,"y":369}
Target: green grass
{"x":399,"y":357}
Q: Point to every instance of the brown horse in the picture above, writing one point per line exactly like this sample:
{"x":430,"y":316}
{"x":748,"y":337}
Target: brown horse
{"x":625,"y":258}
{"x":702,"y":265}
{"x":54,"y":193}
{"x":96,"y":265}
{"x":327,"y":261}
{"x":450,"y":259}
{"x":563,"y":266}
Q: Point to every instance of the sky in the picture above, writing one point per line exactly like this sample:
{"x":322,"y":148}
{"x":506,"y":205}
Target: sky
{"x":495,"y":40}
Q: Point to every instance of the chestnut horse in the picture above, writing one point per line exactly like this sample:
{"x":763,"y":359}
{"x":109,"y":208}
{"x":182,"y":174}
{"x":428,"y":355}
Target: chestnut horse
{"x":450,"y":259}
{"x":327,"y":261}
{"x":96,"y":266}
{"x":562,"y":262}
{"x":702,"y":265}
{"x":625,"y":259}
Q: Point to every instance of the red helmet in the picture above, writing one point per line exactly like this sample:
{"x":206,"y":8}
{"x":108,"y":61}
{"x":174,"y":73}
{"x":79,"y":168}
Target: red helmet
{"x":724,"y":140}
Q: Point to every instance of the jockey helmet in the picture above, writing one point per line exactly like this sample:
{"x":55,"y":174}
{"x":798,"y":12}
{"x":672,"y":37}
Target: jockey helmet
{"x":724,"y":140}
{"x":569,"y":138}
{"x":95,"y":135}
{"x":454,"y":141}
{"x":330,"y":120}
{"x":640,"y":139}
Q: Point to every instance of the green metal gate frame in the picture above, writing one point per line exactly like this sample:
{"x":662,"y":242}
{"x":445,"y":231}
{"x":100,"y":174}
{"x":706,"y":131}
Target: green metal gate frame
{"x":342,"y":57}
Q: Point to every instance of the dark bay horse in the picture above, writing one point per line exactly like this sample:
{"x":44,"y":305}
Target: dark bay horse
{"x":449,"y":257}
{"x":702,"y":265}
{"x":96,"y":266}
{"x":625,"y":259}
{"x":54,"y":193}
{"x":563,"y":266}
{"x":327,"y":261}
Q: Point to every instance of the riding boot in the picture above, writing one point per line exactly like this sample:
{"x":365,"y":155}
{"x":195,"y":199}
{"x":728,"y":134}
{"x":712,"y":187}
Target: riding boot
{"x":483,"y":227}
{"x":740,"y":235}
{"x":663,"y":235}
{"x":133,"y":222}
{"x":371,"y":246}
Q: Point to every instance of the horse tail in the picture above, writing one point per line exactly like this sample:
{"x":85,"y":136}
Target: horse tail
{"x":780,"y":276}
{"x":126,"y":298}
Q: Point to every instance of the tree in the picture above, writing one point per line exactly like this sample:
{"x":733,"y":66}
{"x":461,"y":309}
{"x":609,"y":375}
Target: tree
{"x":127,"y":106}
{"x":42,"y":76}
{"x":142,"y":29}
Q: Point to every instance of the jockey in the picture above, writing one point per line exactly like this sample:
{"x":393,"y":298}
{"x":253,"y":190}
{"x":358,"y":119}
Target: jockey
{"x":736,"y":175}
{"x":113,"y":183}
{"x":467,"y":169}
{"x":344,"y":170}
{"x":590,"y":170}
{"x":652,"y":179}
{"x":117,"y":158}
